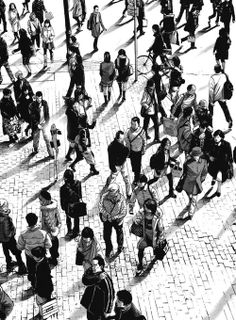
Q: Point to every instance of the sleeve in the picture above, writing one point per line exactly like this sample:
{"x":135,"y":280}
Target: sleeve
{"x":233,"y":13}
{"x":29,"y":27}
{"x":62,"y":198}
{"x":47,"y":242}
{"x":52,"y":34}
{"x":138,"y":218}
{"x":132,"y":201}
{"x":21,"y":243}
{"x":6,"y":304}
{"x":101,"y":208}
{"x":9,"y":228}
{"x":46,"y":114}
{"x":101,"y":22}
{"x":111,"y":160}
{"x":229,"y":152}
{"x":204,"y":171}
{"x":123,"y":209}
{"x":109,"y":294}
{"x":143,"y":136}
{"x":211,"y":90}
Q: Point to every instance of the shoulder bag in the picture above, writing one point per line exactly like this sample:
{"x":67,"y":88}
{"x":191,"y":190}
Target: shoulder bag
{"x":77,"y":209}
{"x":136,"y":229}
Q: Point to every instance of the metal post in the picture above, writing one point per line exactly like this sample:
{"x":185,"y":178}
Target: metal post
{"x":67,"y":25}
{"x":135,"y":42}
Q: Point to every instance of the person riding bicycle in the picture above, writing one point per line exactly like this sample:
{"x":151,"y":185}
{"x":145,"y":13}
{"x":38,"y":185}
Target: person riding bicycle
{"x":158,"y":46}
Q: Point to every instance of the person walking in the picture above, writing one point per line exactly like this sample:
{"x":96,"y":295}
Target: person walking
{"x":8,"y":241}
{"x":226,"y":12}
{"x":23,"y":107}
{"x":216,"y":93}
{"x":184,"y":6}
{"x":140,"y":16}
{"x":10,"y":117}
{"x":191,"y":26}
{"x":215,"y":13}
{"x":167,"y":25}
{"x":117,"y":155}
{"x":95,"y":24}
{"x":3,"y":15}
{"x":70,"y":193}
{"x":202,"y":137}
{"x":107,"y":73}
{"x":79,"y":13}
{"x":149,"y":109}
{"x":99,"y":294}
{"x":221,"y":161}
{"x":50,"y":222}
{"x":25,"y":47}
{"x":194,"y":174}
{"x":39,"y":115}
{"x":19,"y":84}
{"x":43,"y":279}
{"x":141,"y":193}
{"x":4,"y":56}
{"x":38,"y":8}
{"x":25,"y":9}
{"x":187,"y":99}
{"x":157,"y":48}
{"x":34,"y":29}
{"x":161,"y":162}
{"x":112,"y":210}
{"x":136,"y":142}
{"x":221,"y":48}
{"x":14,"y":20}
{"x":48,"y":36}
{"x":6,"y":303}
{"x":31,"y":238}
{"x":122,"y":64}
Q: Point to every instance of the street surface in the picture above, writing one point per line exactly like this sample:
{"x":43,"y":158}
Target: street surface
{"x":197,"y":278}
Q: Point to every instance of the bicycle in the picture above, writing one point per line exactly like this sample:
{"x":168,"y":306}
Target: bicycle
{"x":145,"y":63}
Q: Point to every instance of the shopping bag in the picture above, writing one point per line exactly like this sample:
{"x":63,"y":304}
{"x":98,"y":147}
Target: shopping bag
{"x":49,"y":308}
{"x":49,"y":15}
{"x":170,"y":127}
{"x":174,"y":38}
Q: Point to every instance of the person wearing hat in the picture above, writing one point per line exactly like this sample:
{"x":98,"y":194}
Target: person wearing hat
{"x":20,"y":84}
{"x":7,"y":239}
{"x":70,"y":193}
{"x":50,"y":222}
{"x":6,"y":304}
{"x":194,"y":173}
{"x":112,"y":210}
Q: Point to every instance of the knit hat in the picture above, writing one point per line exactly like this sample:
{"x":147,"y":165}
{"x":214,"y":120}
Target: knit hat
{"x":45,"y":195}
{"x":196,"y":151}
{"x":4,"y":206}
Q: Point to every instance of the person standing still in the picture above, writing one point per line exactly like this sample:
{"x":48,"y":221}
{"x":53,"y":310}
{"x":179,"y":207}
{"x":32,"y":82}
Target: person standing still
{"x":94,"y":24}
{"x":3,"y":15}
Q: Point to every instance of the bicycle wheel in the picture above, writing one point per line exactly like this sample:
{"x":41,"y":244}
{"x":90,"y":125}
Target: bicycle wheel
{"x":144,"y":64}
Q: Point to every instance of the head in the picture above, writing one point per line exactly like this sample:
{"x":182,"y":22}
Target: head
{"x":31,"y":219}
{"x":120,"y":136}
{"x":176,"y":61}
{"x":135,"y":122}
{"x":150,"y":85}
{"x":22,"y":33}
{"x":113,"y":189}
{"x":38,"y":253}
{"x":6,"y":93}
{"x":187,"y":112}
{"x":150,"y":208}
{"x":217,"y":68}
{"x":32,"y":16}
{"x":39,"y":96}
{"x":165,"y":144}
{"x":142,"y":181}
{"x":123,"y":300}
{"x":203,"y":104}
{"x":19,"y":75}
{"x":223,"y":32}
{"x":218,"y":136}
{"x":121,"y":52}
{"x":12,"y":6}
{"x":96,"y":9}
{"x":107,"y":57}
{"x":87,"y":235}
{"x":196,"y":153}
{"x":191,"y":88}
{"x":68,"y":176}
{"x":4,"y":209}
{"x":47,"y":23}
{"x":155,"y":28}
{"x":45,"y":197}
{"x":98,"y":264}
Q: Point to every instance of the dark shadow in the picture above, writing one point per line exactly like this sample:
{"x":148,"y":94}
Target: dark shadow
{"x":26,"y":294}
{"x":39,"y":74}
{"x":153,"y":6}
{"x":40,"y":161}
{"x":112,"y":111}
{"x":126,"y":44}
{"x":115,"y":25}
{"x":87,"y":177}
{"x":228,"y":223}
{"x":205,"y":30}
{"x":125,"y":22}
{"x":88,"y":55}
{"x":36,"y":195}
{"x":98,"y":111}
{"x":149,"y":2}
{"x":4,"y":145}
{"x":22,"y":143}
{"x":109,"y":4}
{"x":164,"y":200}
{"x":150,"y":144}
{"x":186,"y":51}
{"x":182,"y":25}
{"x":61,"y":44}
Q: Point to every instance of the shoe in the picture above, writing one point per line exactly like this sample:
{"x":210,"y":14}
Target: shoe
{"x":94,"y":172}
{"x":230,"y":124}
{"x":22,"y":270}
{"x":51,"y":156}
{"x":148,"y":137}
{"x":139,"y":269}
{"x":11,"y":265}
{"x":69,"y":235}
{"x":142,"y":33}
{"x":213,"y":182}
{"x":172,"y":195}
{"x":218,"y":194}
{"x":119,"y":250}
{"x":68,"y":158}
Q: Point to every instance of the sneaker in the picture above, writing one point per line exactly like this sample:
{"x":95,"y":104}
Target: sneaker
{"x":172,"y":195}
{"x":94,"y":172}
{"x":139,"y":269}
{"x":69,"y":235}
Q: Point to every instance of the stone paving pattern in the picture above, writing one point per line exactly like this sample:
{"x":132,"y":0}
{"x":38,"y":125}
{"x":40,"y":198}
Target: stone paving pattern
{"x":197,"y":278}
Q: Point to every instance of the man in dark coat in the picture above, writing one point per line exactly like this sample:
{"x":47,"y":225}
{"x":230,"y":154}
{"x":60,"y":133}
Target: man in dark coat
{"x":19,"y":84}
{"x":226,"y":12}
{"x":117,"y":155}
{"x":98,"y":297}
{"x":184,"y":6}
{"x":6,"y":304}
{"x":157,"y":47}
{"x":3,"y":15}
{"x":4,"y":60}
{"x":39,"y":115}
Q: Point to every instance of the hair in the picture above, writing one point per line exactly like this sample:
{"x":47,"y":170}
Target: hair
{"x":223,"y":32}
{"x":38,"y":252}
{"x":187,"y":112}
{"x":73,"y":39}
{"x":190,"y":87}
{"x":101,"y":261}
{"x":204,"y":123}
{"x":150,"y":83}
{"x":69,"y":175}
{"x":219,"y":133}
{"x":118,"y":134}
{"x":151,"y":205}
{"x":124,"y":296}
{"x":122,"y":52}
{"x":45,"y":194}
{"x":217,"y":68}
{"x":164,"y":142}
{"x":39,"y":94}
{"x":12,"y":3}
{"x":47,"y":21}
{"x":31,"y":219}
{"x":107,"y":57}
{"x":156,"y":27}
{"x":87,"y":233}
{"x":176,"y":61}
{"x":143,"y":178}
{"x":23,"y":33}
{"x":6,"y":91}
{"x":136,"y":119}
{"x":94,"y":7}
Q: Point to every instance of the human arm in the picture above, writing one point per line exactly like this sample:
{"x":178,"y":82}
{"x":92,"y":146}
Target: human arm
{"x":111,"y":159}
{"x":6,"y":304}
{"x":101,"y":22}
{"x":47,"y":242}
{"x":211,"y":90}
{"x":21,"y":243}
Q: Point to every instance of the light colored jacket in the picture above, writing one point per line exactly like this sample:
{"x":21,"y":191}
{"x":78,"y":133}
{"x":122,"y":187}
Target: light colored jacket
{"x":136,"y":140}
{"x":112,"y":209}
{"x":50,"y":217}
{"x":33,"y":237}
{"x":141,"y":195}
{"x":149,"y":103}
{"x":216,"y":87}
{"x":47,"y":34}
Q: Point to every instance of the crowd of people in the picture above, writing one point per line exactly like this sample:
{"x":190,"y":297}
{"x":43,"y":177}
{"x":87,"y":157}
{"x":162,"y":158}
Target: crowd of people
{"x":204,"y":148}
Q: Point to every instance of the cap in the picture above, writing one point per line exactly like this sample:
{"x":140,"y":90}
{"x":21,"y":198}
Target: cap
{"x":196,"y":151}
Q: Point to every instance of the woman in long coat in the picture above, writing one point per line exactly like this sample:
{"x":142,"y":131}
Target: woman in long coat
{"x":194,"y":173}
{"x":94,"y":24}
{"x":221,"y":48}
{"x":122,"y":64}
{"x":221,"y":161}
{"x":107,"y":73}
{"x":79,"y":13}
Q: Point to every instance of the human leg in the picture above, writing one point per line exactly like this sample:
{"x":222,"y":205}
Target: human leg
{"x":156,"y":127}
{"x":46,"y":139}
{"x":79,"y":157}
{"x":54,"y":250}
{"x":9,"y":72}
{"x":119,"y":235}
{"x":6,"y":251}
{"x":225,"y":109}
{"x":107,"y":230}
{"x":125,"y":177}
{"x":36,"y":136}
{"x":145,"y":125}
{"x":95,"y":44}
{"x":31,"y":266}
{"x":171,"y":189}
{"x":135,"y":159}
{"x":71,"y":87}
{"x":17,"y":253}
{"x":45,"y":60}
{"x":76,"y":227}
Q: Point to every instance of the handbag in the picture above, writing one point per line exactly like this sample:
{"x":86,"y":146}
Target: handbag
{"x":77,"y":209}
{"x":161,"y":249}
{"x":131,"y":70}
{"x":136,"y":229}
{"x":79,"y":258}
{"x":49,"y":308}
{"x":170,"y":127}
{"x":143,"y":111}
{"x":180,"y":184}
{"x":49,"y":15}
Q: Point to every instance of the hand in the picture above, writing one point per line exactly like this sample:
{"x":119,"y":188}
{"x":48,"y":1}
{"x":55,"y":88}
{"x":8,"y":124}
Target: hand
{"x":212,"y":158}
{"x":40,"y":127}
{"x":202,"y":135}
{"x":104,"y":29}
{"x":102,"y":276}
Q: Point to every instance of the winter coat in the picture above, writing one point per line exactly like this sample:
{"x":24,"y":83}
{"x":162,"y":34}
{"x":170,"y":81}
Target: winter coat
{"x":23,"y":107}
{"x":72,"y":121}
{"x":8,"y":108}
{"x":7,"y":228}
{"x":112,"y":208}
{"x":70,"y":193}
{"x":76,"y":69}
{"x":158,"y":44}
{"x":226,"y":11}
{"x":50,"y":217}
{"x":184,"y":134}
{"x":38,"y":8}
{"x":122,"y":64}
{"x":132,"y":314}
{"x":221,"y":48}
{"x":216,"y":87}
{"x":33,"y":237}
{"x":43,"y":279}
{"x":79,"y":9}
{"x":117,"y":154}
{"x":95,"y":23}
{"x":141,"y":195}
{"x":205,"y":144}
{"x":149,"y":102}
{"x":185,"y":100}
{"x":98,"y":297}
{"x":18,"y":87}
{"x":2,"y":7}
{"x":35,"y":114}
{"x":48,"y":35}
{"x":223,"y":160}
{"x":6,"y":304}
{"x":25,"y":47}
{"x":194,"y":174}
{"x":3,"y":51}
{"x":157,"y":161}
{"x":107,"y":73}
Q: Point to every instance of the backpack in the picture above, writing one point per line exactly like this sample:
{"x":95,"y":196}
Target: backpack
{"x":228,"y":89}
{"x":153,"y":161}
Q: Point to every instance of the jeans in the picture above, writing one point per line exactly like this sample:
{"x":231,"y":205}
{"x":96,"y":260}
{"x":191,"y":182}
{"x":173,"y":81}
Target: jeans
{"x":36,"y":136}
{"x":31,"y":266}
{"x":36,"y":39}
{"x":107,"y":230}
{"x":69,"y":224}
{"x":113,"y":176}
{"x":224,"y":108}
{"x":136,"y":159}
{"x":155,"y":122}
{"x":10,"y":246}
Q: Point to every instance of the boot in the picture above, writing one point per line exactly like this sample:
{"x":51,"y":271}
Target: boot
{"x":109,"y":95}
{"x":105,"y":98}
{"x":93,"y":170}
{"x":124,"y":98}
{"x":45,"y":62}
{"x":68,"y":155}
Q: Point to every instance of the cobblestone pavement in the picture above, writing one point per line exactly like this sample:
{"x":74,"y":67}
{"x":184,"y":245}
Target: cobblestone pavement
{"x":197,"y":278}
